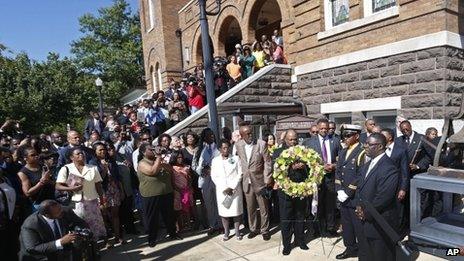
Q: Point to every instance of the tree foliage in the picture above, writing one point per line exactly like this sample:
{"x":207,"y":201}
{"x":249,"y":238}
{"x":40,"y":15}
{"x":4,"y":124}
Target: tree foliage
{"x":49,"y":94}
{"x":43,"y":96}
{"x":112,"y":48}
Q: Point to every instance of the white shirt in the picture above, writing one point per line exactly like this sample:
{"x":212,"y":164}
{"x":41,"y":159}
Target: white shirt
{"x":87,"y":178}
{"x":389,"y":149}
{"x":51,"y":224}
{"x":373,"y":163}
{"x":410,"y":137}
{"x":135,"y":157}
{"x":326,"y":143}
{"x":248,"y":150}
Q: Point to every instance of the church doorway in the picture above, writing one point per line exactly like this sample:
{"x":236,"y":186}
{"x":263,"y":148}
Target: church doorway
{"x":265,"y":17}
{"x":230,"y":34}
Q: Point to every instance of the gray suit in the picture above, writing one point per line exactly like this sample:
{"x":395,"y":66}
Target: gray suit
{"x":257,"y":172}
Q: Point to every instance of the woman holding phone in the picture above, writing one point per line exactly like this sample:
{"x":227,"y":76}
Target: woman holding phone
{"x":36,"y":181}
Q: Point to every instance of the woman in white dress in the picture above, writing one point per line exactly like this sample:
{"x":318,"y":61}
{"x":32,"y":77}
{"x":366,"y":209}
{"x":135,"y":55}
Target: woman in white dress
{"x":226,"y":174}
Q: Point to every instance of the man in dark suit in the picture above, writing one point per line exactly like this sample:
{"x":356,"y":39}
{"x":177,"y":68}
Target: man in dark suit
{"x":292,"y":210}
{"x":378,"y":181}
{"x":56,"y":140}
{"x":328,"y":150}
{"x":347,"y":175}
{"x":45,"y":235}
{"x":93,"y":124}
{"x":74,"y":140}
{"x":399,"y":155}
{"x":369,"y":126}
{"x":419,"y":161}
{"x":332,"y":128}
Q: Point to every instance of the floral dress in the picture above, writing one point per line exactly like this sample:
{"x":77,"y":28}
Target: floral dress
{"x":183,"y":192}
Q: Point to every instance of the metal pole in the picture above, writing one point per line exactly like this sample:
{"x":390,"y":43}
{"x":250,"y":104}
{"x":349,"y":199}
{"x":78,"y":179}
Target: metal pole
{"x":100,"y":102}
{"x":208,"y":65}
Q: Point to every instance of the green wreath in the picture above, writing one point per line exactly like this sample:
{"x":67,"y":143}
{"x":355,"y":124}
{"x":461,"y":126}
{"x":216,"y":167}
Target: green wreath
{"x":315,"y":176}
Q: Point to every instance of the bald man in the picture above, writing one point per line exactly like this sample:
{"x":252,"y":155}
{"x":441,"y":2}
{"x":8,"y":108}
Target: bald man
{"x":292,"y":210}
{"x":74,"y":140}
{"x":369,"y":126}
{"x":257,"y":180}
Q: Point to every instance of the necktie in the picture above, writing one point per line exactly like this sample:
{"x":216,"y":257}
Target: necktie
{"x":324,"y":150}
{"x":56,"y":230}
{"x":407,"y":141}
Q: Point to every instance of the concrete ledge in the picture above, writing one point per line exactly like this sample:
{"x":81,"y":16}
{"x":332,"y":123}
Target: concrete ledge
{"x":380,"y":104}
{"x":443,"y":38}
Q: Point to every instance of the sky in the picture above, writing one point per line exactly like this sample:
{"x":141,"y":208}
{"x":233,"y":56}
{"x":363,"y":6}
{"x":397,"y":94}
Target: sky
{"x":38,"y":27}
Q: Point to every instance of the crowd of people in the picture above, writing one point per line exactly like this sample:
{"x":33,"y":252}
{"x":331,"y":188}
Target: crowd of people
{"x":112,"y":178}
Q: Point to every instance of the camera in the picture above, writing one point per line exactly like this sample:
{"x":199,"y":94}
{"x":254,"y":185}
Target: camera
{"x":159,"y":150}
{"x":83,"y":232}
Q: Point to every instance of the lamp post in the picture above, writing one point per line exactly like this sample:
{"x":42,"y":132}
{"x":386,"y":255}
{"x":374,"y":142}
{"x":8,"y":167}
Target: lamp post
{"x":208,"y":65}
{"x":179,"y":35}
{"x":99,"y":84}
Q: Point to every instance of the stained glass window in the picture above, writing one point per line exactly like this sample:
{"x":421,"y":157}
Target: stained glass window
{"x":340,"y":11}
{"x":378,"y":5}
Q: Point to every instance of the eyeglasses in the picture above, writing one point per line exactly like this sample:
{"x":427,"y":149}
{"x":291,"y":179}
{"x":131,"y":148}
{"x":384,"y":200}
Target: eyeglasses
{"x":145,"y":139}
{"x":78,"y":153}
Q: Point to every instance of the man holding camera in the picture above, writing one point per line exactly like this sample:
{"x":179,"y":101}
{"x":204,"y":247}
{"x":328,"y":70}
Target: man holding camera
{"x":45,"y":235}
{"x":257,"y":179}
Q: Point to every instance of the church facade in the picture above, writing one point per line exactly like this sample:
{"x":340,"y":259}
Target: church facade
{"x":351,"y":59}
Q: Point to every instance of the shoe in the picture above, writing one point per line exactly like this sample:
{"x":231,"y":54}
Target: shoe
{"x":346,"y":254}
{"x":225,"y":238}
{"x":252,"y":235}
{"x":211,"y":232}
{"x":286,"y":251}
{"x":239,"y":237}
{"x":175,"y":237}
{"x":266,"y":236}
{"x":304,"y":247}
{"x":152,"y":244}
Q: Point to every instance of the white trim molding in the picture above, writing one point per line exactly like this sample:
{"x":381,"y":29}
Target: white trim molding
{"x":379,"y":104}
{"x":442,"y":38}
{"x":351,"y":25}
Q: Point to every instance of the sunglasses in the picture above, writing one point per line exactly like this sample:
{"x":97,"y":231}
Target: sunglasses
{"x":78,"y":153}
{"x":348,"y":135}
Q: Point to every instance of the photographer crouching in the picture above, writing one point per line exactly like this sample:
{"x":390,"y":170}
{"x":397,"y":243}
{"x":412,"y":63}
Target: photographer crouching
{"x":54,"y":233}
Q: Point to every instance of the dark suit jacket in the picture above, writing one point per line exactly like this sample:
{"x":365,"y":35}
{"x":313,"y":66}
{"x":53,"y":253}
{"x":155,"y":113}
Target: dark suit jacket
{"x":422,"y":160}
{"x":90,"y":126}
{"x":315,"y":144}
{"x":37,"y":239}
{"x":363,"y":137}
{"x":64,"y":151}
{"x":400,"y":157}
{"x":379,"y":189}
{"x":347,"y":173}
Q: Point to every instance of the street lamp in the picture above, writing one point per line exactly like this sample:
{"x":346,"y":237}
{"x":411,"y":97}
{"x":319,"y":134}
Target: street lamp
{"x":208,"y":65}
{"x":99,"y":84}
{"x":179,"y":35}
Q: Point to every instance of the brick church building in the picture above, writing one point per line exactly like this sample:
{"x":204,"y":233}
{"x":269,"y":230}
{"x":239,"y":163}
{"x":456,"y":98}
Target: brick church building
{"x":348,"y":59}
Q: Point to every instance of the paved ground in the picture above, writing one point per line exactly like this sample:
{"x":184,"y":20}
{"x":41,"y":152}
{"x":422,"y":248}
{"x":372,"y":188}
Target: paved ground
{"x":198,"y":246}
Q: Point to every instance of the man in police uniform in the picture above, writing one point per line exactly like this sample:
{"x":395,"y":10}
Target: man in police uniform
{"x":346,"y":180}
{"x":292,"y":210}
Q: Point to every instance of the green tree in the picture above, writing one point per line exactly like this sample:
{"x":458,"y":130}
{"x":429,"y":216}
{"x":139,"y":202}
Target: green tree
{"x":111,"y":47}
{"x":44,"y":96}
